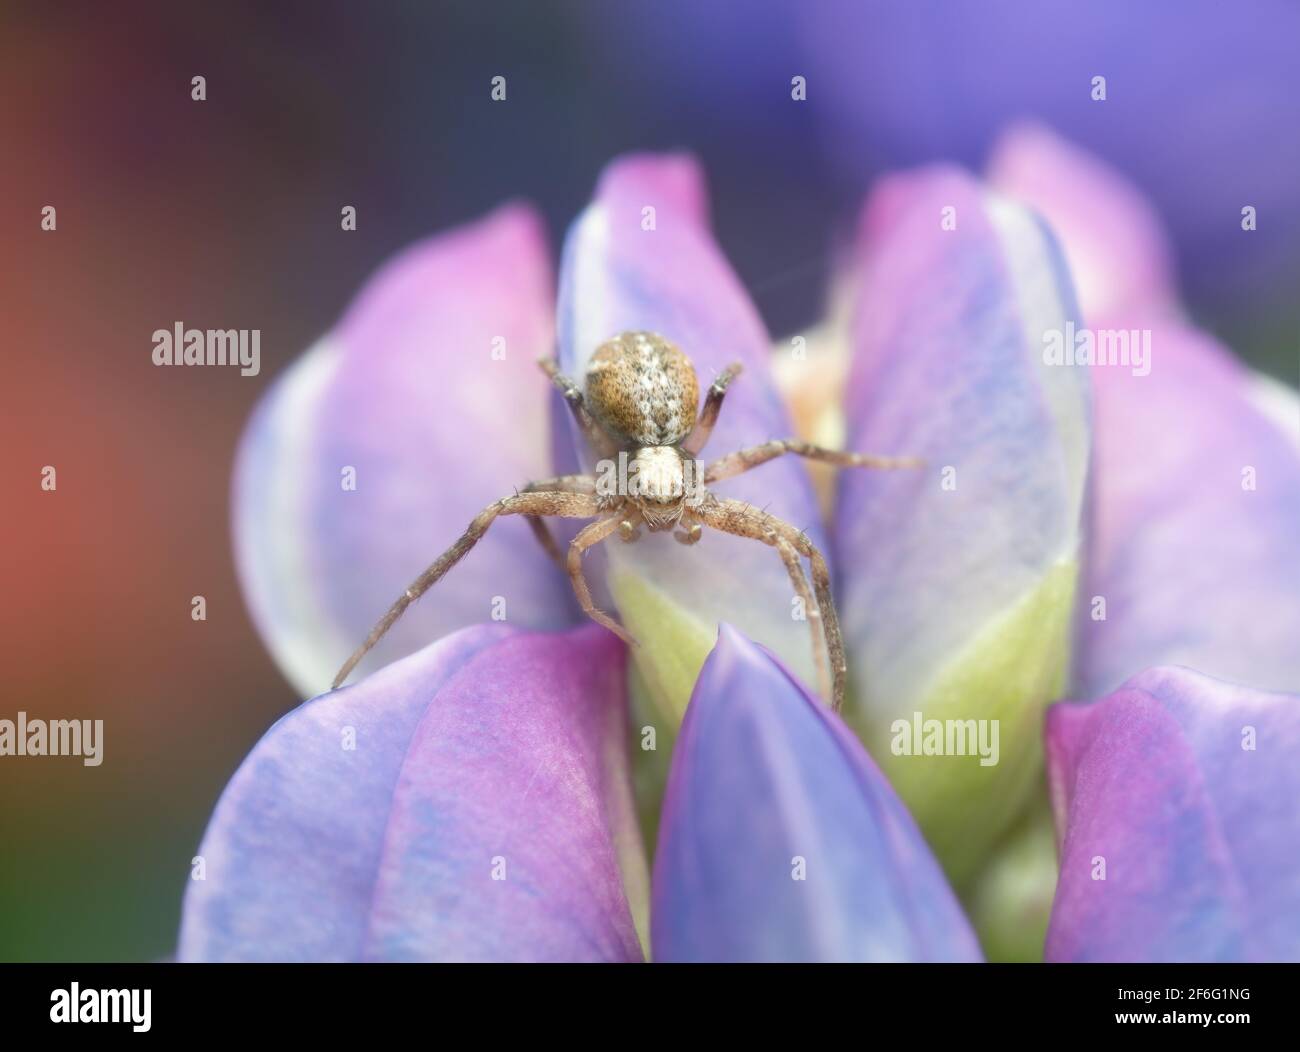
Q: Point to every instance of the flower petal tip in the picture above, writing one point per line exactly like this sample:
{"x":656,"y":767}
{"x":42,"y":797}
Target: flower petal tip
{"x":780,"y":839}
{"x":1116,"y":245}
{"x":670,"y":183}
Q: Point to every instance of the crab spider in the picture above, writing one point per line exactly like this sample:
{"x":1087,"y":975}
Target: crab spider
{"x":640,"y":405}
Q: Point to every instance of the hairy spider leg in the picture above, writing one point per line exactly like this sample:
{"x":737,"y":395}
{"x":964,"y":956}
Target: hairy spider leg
{"x":601,"y":442}
{"x":712,"y":408}
{"x":821,"y":656}
{"x":588,"y":537}
{"x":743,"y":460}
{"x":744,"y":520}
{"x":561,"y":484}
{"x":567,"y":505}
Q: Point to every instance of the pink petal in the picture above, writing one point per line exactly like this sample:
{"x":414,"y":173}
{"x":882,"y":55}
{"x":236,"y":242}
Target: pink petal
{"x":1196,"y":547}
{"x":1175,"y":800}
{"x":1115,"y":243}
{"x":406,"y":391}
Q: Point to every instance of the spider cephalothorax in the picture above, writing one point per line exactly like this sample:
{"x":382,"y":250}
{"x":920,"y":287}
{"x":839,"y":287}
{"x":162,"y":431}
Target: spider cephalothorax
{"x":639,"y":415}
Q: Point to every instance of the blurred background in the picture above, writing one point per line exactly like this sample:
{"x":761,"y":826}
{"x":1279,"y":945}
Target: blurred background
{"x":225,"y":213}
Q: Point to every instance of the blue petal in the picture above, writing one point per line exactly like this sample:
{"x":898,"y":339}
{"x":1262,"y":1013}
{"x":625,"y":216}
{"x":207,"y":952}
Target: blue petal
{"x":766,"y":780}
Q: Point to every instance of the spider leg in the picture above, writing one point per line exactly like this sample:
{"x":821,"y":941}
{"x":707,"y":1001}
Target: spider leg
{"x":712,"y":407}
{"x":568,"y":505}
{"x":601,"y":442}
{"x":743,"y":460}
{"x":546,"y":539}
{"x":744,"y":520}
{"x":800,"y":582}
{"x":560,"y":484}
{"x":589,"y":536}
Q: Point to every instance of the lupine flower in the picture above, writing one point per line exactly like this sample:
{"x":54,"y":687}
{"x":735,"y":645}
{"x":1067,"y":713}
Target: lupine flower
{"x":471,"y":796}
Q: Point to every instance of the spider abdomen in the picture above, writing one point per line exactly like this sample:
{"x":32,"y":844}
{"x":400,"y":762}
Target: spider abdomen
{"x":643,"y":389}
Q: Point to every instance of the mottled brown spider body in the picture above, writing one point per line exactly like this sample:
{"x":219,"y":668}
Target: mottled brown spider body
{"x":639,"y":414}
{"x":642,"y":389}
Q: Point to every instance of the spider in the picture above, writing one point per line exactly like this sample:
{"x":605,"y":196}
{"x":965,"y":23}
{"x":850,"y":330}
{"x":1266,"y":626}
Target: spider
{"x":639,"y":412}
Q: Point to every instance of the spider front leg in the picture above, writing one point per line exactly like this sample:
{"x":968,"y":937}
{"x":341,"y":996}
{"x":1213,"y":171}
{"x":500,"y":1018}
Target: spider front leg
{"x":558,"y":484}
{"x":744,"y":520}
{"x":743,"y":460}
{"x":567,"y":505}
{"x":600,"y":442}
{"x":588,"y":537}
{"x":712,"y":407}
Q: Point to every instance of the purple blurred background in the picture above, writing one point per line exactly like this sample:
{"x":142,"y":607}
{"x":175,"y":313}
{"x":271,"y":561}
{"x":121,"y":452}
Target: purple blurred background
{"x":226,"y":213}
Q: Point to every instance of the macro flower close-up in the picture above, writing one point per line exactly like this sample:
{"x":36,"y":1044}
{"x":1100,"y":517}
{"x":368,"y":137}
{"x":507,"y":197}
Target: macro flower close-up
{"x":504,"y":487}
{"x":504,"y":789}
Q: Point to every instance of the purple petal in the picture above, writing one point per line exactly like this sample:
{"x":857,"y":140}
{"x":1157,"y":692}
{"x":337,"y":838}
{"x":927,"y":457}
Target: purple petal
{"x":1184,"y":788}
{"x":957,"y":582}
{"x":1116,"y":247}
{"x":407,"y":392}
{"x":766,"y":778}
{"x":618,"y":276}
{"x":1196,"y":567}
{"x":485,"y":813}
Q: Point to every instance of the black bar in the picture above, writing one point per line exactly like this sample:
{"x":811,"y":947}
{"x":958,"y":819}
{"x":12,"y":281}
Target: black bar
{"x":870,"y":1002}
